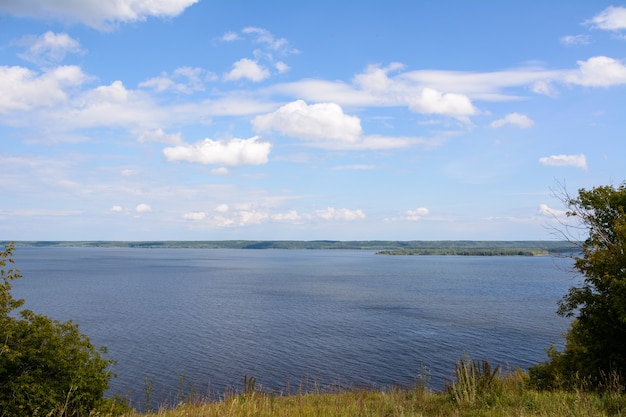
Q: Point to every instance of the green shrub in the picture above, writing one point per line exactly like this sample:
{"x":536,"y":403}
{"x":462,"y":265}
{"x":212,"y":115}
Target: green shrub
{"x":46,"y":367}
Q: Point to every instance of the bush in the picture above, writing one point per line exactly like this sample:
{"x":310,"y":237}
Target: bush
{"x":46,"y":367}
{"x":595,"y":348}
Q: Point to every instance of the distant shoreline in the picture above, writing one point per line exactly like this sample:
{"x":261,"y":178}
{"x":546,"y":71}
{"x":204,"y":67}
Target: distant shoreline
{"x":383,"y":247}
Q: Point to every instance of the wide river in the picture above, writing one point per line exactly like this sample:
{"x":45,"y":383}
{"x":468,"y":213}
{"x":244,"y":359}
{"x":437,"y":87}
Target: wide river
{"x":295,"y":319}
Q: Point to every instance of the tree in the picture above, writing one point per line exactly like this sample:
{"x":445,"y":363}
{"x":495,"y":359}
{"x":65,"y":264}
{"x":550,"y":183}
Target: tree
{"x":46,"y":367}
{"x":595,"y":345}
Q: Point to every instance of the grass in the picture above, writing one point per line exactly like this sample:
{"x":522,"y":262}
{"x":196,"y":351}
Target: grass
{"x":478,"y":390}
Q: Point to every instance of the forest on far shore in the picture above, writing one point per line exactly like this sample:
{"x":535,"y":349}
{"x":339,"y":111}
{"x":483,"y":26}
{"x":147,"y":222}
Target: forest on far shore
{"x":383,"y":247}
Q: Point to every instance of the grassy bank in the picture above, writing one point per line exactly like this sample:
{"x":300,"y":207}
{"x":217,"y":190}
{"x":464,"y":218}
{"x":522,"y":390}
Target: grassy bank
{"x":478,"y":390}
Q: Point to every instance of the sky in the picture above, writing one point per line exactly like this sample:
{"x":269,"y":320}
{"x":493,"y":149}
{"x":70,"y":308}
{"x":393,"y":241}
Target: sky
{"x":306,"y":120}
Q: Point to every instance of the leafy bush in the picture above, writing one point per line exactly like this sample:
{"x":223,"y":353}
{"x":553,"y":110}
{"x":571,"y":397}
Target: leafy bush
{"x":595,"y":345}
{"x":46,"y":367}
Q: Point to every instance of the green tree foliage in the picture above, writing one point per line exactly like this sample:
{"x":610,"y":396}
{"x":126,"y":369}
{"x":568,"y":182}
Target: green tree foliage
{"x":595,"y":349}
{"x":46,"y":367}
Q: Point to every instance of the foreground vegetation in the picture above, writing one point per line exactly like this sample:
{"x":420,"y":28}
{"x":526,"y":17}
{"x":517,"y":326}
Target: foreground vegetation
{"x":477,"y":390}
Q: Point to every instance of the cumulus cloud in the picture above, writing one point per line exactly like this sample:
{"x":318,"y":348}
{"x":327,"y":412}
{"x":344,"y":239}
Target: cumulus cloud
{"x":612,"y":18}
{"x":112,"y":105}
{"x":431,"y":101}
{"x":23,"y":89}
{"x":98,"y":14}
{"x":244,"y":215}
{"x":578,"y":161}
{"x":247,"y":68}
{"x":516,"y":119}
{"x":598,"y":71}
{"x":376,"y":78}
{"x":49,"y":48}
{"x":233,"y":152}
{"x":116,"y":209}
{"x":143,"y":208}
{"x":332,"y":213}
{"x":323,"y":121}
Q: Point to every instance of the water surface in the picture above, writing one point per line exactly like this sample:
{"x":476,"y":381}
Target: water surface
{"x":290,"y":316}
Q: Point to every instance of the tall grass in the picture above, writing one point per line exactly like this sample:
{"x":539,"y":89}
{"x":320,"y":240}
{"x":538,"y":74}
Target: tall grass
{"x":479,"y":389}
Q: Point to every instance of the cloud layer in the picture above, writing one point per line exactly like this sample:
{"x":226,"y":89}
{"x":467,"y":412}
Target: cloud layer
{"x":95,"y":13}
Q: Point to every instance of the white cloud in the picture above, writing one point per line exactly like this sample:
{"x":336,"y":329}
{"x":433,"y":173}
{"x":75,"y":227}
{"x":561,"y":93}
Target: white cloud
{"x":281,"y":67}
{"x":116,"y":209}
{"x":129,"y":172}
{"x":431,"y":101}
{"x":411,"y":215}
{"x":220,"y":171}
{"x":612,"y":18}
{"x":323,"y":121}
{"x":572,"y":40}
{"x":375,"y":142}
{"x":103,"y":15}
{"x":544,"y":87}
{"x":487,"y":86}
{"x":328,"y":91}
{"x":291,"y":216}
{"x":265,"y":37}
{"x":222,"y":208}
{"x":247,"y":68}
{"x":448,"y":93}
{"x":113,"y":92}
{"x":186,"y":80}
{"x":547,"y":211}
{"x":143,"y":208}
{"x":246,"y":217}
{"x":417,"y":214}
{"x":516,"y":119}
{"x":332,"y":213}
{"x":230,"y":36}
{"x":578,"y":161}
{"x":49,"y":47}
{"x":158,"y":135}
{"x":361,"y":167}
{"x":23,"y":89}
{"x":42,"y":212}
{"x":376,"y":79}
{"x":112,"y":105}
{"x":234,"y":152}
{"x":598,"y":71}
{"x":196,"y":215}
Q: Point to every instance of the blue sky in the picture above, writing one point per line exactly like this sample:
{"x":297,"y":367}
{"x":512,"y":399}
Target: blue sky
{"x":346,"y":120}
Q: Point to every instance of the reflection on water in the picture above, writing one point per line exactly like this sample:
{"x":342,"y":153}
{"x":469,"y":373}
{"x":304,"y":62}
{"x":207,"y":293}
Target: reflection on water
{"x":285,"y":316}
